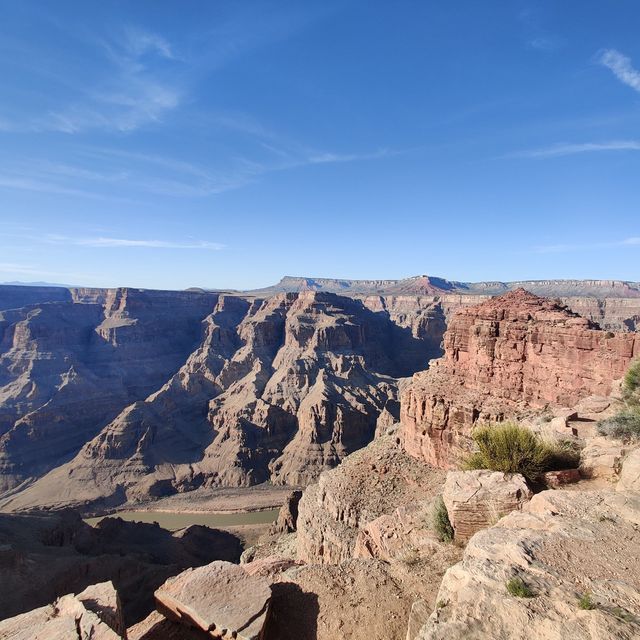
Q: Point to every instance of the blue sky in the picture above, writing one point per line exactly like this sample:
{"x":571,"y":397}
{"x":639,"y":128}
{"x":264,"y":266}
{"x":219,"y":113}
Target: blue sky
{"x":226,"y":144}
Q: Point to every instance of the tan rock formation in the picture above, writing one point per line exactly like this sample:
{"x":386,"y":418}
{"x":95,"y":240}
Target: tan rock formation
{"x":563,"y":545}
{"x":506,"y":355}
{"x":630,"y":473}
{"x":371,"y":483}
{"x":476,"y":500}
{"x":87,"y":616}
{"x":602,"y":458}
{"x":103,"y":600}
{"x":221,"y":599}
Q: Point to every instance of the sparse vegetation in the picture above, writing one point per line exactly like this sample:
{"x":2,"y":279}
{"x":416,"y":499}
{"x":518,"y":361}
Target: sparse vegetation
{"x":626,"y":424}
{"x":518,"y":588}
{"x":606,"y":518}
{"x":511,"y":448}
{"x":622,"y":614}
{"x":631,"y":384}
{"x":623,"y":426}
{"x":412,"y":558}
{"x":586,"y":602}
{"x":441,"y":523}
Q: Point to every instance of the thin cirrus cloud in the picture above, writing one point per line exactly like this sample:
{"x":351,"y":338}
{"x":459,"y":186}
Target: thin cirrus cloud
{"x":621,"y":67}
{"x":160,"y":175}
{"x":109,"y":243}
{"x":132,"y":89}
{"x":573,"y":149}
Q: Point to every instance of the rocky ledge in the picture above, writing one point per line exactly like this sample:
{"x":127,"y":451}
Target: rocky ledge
{"x":573,"y":558}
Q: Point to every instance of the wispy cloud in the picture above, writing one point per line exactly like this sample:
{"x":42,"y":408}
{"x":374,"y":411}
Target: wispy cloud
{"x":140,"y":42}
{"x":546,"y":43}
{"x":621,"y":67}
{"x":133,"y":173}
{"x":571,"y":247}
{"x":328,"y":158}
{"x":133,"y":87}
{"x":564,"y":149}
{"x":104,"y":242}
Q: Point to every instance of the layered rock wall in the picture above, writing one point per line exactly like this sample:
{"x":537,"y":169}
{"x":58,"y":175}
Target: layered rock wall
{"x":506,"y":355}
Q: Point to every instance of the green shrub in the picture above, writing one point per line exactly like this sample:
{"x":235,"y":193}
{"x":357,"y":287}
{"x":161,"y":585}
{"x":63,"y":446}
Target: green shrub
{"x":511,"y":448}
{"x":623,"y":426}
{"x":586,"y":602}
{"x":517,"y":587}
{"x":441,"y":523}
{"x":631,"y":384}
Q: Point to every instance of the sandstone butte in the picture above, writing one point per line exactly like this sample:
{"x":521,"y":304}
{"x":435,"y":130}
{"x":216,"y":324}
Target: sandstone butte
{"x":506,"y":356}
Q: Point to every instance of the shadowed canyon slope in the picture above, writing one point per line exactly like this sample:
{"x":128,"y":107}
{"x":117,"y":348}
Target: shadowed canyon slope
{"x":267,"y":389}
{"x":119,"y":395}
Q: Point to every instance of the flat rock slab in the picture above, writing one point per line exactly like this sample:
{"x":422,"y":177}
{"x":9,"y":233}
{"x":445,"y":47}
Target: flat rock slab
{"x":220,"y":598}
{"x":65,"y":619}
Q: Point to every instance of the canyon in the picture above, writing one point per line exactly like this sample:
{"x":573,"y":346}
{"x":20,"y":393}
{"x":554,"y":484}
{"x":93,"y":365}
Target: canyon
{"x":367,"y":400}
{"x":112,"y":396}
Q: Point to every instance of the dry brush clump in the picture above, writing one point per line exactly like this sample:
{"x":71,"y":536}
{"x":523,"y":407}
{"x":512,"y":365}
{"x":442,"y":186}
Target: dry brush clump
{"x":625,"y":425}
{"x":441,"y":523}
{"x":511,"y":448}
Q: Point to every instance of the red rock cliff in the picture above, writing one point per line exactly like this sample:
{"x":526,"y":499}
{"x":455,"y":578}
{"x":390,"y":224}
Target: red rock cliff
{"x":510,"y":353}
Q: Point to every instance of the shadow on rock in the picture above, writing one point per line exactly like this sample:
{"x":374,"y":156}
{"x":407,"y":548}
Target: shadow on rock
{"x":294,"y":613}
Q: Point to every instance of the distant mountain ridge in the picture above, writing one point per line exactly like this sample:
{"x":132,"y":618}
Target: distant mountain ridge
{"x":432,"y":285}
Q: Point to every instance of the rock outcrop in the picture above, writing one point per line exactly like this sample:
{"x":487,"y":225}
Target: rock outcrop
{"x":221,"y":599}
{"x":43,"y":557}
{"x":91,"y":615}
{"x":371,"y":483}
{"x":510,"y":354}
{"x":630,"y":474}
{"x":288,"y":515}
{"x":564,"y":547}
{"x":476,"y":500}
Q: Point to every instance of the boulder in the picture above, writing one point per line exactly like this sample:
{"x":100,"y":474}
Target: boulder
{"x":630,"y":474}
{"x":556,"y":479}
{"x":221,"y":599}
{"x":602,"y":458}
{"x":156,"y":627}
{"x":478,"y":499}
{"x":563,"y":545}
{"x":104,"y":601}
{"x":69,"y":618}
{"x":404,"y":534}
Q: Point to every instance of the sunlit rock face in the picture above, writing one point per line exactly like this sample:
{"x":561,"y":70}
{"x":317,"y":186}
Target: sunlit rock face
{"x":509,"y":354}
